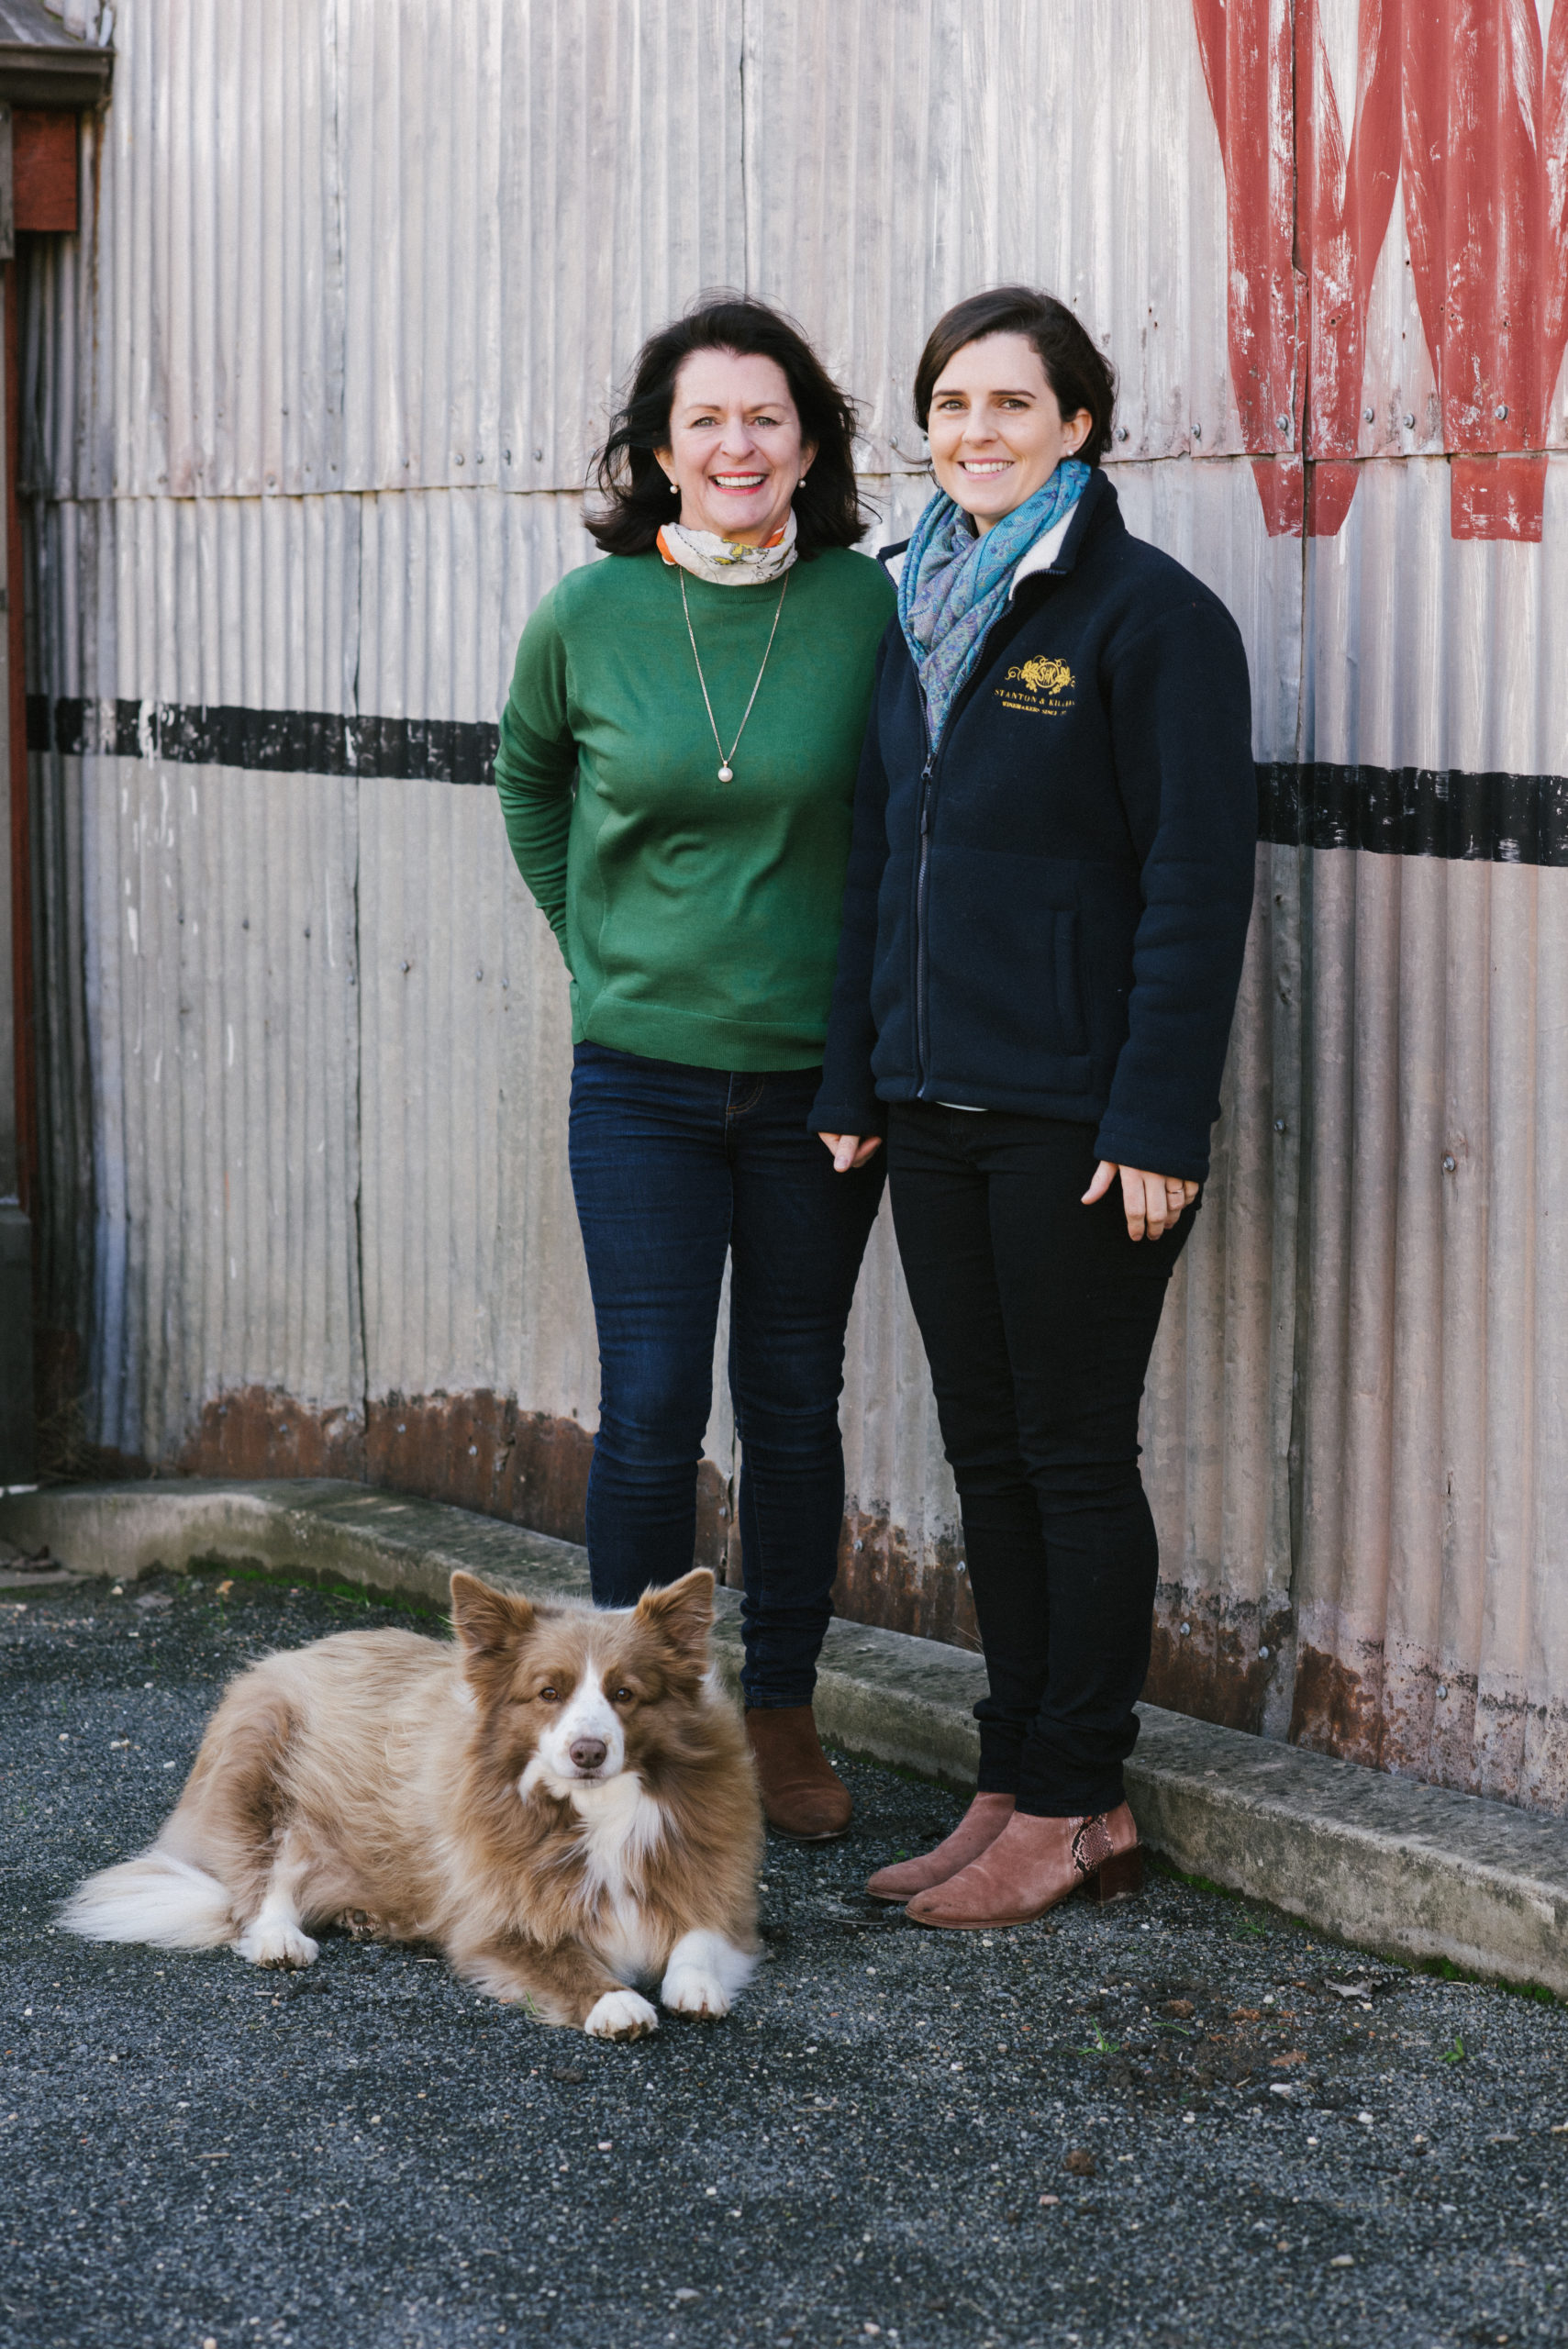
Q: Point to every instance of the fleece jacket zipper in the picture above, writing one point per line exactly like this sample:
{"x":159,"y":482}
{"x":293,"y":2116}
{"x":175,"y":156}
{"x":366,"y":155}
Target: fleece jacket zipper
{"x":920,"y":902}
{"x":927,"y":811}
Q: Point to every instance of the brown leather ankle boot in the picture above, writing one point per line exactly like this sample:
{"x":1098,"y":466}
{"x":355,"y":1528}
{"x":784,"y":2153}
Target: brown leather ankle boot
{"x":802,"y":1794}
{"x":981,"y":1825}
{"x":1032,"y":1864}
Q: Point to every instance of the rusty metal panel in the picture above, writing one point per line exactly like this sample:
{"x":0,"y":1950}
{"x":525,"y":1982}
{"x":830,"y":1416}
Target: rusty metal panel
{"x":473,"y":1277}
{"x":1431,"y":1624}
{"x":1218,"y":1411}
{"x":218,"y":917}
{"x":202,"y":957}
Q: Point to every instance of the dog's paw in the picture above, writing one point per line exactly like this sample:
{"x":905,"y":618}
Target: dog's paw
{"x":705,"y":1974}
{"x":621,"y":2014}
{"x":271,"y":1943}
{"x":361,"y":1926}
{"x":693,"y":1990}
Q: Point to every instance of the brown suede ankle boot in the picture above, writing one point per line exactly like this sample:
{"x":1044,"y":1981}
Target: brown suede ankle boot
{"x":802,"y":1794}
{"x":981,"y":1825}
{"x":1032,"y":1864}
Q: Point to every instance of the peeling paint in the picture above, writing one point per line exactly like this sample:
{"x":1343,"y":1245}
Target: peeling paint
{"x":1465,"y":105}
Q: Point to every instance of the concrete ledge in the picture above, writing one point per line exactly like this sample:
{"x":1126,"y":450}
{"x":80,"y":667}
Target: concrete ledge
{"x":1381,"y":1862}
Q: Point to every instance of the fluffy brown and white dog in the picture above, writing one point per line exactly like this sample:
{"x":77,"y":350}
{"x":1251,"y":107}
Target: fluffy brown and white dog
{"x":563,"y":1800}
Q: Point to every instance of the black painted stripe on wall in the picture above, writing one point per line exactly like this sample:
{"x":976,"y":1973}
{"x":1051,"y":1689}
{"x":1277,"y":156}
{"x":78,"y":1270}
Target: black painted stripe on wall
{"x":1417,"y":811}
{"x":269,"y":741}
{"x":1392,"y":811}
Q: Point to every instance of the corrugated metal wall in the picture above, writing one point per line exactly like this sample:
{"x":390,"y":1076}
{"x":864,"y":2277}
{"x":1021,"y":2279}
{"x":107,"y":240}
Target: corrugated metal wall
{"x":307,"y":404}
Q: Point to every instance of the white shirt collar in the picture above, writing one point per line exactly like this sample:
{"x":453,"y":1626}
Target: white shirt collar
{"x":1044,"y":551}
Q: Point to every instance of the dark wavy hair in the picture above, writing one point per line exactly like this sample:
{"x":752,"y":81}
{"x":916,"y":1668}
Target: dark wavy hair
{"x":1079,"y":374}
{"x":636,"y":488}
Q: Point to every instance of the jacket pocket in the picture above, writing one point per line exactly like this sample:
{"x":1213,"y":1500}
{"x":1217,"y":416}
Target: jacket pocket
{"x":1004,"y":984}
{"x":1069,"y":982}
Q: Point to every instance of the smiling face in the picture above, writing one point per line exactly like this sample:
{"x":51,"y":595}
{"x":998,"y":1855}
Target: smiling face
{"x":996,"y":430}
{"x":736,"y":452}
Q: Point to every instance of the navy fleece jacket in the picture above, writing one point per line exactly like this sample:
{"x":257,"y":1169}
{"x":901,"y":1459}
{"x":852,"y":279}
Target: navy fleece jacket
{"x":1049,"y":914}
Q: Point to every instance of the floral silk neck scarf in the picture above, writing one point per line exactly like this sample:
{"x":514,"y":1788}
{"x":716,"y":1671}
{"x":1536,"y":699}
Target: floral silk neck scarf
{"x":723,"y":563}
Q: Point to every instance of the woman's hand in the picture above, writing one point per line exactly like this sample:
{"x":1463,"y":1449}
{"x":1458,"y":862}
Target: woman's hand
{"x":849,"y":1150}
{"x":1152,"y":1201}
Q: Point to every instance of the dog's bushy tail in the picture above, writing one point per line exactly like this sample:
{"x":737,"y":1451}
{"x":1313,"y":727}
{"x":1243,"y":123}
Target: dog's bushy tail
{"x":155,"y":1898}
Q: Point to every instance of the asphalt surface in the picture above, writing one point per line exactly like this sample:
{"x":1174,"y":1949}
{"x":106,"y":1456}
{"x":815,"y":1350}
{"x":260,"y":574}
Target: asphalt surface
{"x":1160,"y":2123}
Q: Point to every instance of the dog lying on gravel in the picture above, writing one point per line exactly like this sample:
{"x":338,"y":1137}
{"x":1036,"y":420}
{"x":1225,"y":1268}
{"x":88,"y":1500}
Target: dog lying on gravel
{"x":563,"y":1800}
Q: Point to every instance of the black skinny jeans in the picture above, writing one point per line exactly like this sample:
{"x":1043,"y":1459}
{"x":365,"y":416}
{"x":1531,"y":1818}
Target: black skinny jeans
{"x":1038,"y":1316}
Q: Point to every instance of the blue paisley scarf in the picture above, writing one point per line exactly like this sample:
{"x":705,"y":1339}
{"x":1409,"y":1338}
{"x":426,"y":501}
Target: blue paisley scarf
{"x":953,"y":583}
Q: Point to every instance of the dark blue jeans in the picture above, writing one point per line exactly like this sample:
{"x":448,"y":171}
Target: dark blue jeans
{"x":673,"y":1168}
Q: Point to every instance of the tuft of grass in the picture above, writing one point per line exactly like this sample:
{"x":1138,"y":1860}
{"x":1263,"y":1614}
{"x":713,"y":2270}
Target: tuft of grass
{"x":1100,"y":2045}
{"x":303,"y":1578}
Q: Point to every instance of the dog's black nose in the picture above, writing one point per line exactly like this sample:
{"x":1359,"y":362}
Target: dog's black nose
{"x":588,"y":1752}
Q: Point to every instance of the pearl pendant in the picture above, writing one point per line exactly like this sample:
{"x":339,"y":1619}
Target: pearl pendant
{"x":727,"y":774}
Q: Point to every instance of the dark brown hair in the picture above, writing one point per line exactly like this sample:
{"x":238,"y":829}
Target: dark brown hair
{"x":636,"y":489}
{"x":1078,"y":374}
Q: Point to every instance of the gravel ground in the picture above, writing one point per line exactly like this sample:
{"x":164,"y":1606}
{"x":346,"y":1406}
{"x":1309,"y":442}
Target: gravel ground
{"x":1163,"y":2123}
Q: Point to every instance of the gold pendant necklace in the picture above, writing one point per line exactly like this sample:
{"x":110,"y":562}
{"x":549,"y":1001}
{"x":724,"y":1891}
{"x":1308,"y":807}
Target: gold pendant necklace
{"x":727,"y":764}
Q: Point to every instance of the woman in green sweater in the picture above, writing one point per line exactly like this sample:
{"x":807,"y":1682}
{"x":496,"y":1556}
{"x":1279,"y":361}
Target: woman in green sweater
{"x":677,"y":769}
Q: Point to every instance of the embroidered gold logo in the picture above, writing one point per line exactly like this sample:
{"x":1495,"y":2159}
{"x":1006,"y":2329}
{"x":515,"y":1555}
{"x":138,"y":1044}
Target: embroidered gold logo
{"x":1040,"y":688}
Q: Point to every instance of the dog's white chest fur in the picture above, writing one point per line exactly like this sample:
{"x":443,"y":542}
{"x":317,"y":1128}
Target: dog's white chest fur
{"x":622,"y":1826}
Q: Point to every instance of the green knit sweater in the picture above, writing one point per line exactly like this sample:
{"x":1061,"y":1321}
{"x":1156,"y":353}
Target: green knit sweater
{"x":699,"y":919}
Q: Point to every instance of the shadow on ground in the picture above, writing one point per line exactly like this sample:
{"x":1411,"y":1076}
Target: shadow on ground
{"x":1180,"y":2120}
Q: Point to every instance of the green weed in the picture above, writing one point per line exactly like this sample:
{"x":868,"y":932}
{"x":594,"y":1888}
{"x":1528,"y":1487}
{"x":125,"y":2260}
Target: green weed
{"x":1101,"y":2045}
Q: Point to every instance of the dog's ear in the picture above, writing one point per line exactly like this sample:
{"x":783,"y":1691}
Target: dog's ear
{"x":487,"y":1621}
{"x":682,"y":1614}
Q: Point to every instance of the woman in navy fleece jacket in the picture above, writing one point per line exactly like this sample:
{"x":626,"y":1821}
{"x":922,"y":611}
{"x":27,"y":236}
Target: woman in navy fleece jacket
{"x":1044,"y":921}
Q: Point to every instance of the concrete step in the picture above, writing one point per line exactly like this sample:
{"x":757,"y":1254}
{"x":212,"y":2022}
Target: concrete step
{"x":1384,"y":1862}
